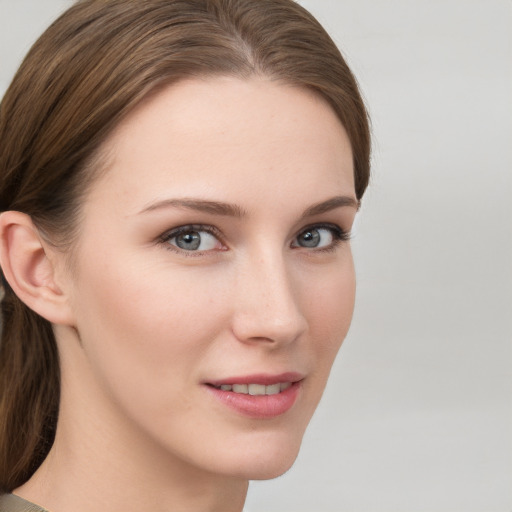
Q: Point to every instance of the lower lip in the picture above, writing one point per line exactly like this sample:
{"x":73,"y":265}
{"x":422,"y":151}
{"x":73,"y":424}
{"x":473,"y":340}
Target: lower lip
{"x":259,"y":406}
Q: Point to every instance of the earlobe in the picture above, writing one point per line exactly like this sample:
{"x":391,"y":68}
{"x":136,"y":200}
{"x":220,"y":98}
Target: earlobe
{"x":29,"y":269}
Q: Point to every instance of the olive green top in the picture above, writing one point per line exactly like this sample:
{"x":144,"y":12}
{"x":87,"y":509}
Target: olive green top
{"x":12,"y":503}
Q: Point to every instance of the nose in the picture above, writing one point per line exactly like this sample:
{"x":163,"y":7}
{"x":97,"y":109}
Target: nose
{"x":267,"y":303}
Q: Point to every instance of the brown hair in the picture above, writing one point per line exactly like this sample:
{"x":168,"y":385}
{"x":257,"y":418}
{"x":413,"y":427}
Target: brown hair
{"x":85,"y":73}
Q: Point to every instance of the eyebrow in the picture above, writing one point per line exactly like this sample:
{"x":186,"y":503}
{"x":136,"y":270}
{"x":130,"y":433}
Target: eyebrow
{"x":331,"y":204}
{"x":233,"y":210}
{"x":199,"y":205}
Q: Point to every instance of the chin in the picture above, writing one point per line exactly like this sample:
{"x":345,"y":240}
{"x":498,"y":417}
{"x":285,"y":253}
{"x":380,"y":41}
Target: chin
{"x":266,"y":459}
{"x":273,"y":470}
{"x":266,"y":469}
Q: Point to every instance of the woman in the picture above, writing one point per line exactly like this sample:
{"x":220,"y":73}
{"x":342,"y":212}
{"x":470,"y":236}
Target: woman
{"x":178,"y":183}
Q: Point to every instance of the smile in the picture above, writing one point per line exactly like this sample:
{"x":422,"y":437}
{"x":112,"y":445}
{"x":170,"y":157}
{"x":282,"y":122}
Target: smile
{"x":258,"y":396}
{"x":255,"y":389}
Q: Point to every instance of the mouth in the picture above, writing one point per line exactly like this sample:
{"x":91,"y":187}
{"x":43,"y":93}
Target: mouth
{"x":258,"y":396}
{"x":255,"y":389}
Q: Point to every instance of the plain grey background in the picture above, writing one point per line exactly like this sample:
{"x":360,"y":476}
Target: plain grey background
{"x":418,"y":413}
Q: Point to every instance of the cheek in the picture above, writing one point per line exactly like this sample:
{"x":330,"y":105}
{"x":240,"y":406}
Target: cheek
{"x":330,"y":306}
{"x":142,"y":327}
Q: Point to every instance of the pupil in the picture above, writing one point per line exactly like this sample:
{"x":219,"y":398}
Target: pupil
{"x":310,"y":238}
{"x":189,"y":241}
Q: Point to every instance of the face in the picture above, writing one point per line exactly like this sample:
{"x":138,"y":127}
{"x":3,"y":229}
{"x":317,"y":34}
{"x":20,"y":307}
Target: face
{"x":214,"y":283}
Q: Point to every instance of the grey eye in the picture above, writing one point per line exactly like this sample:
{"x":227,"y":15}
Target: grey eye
{"x":195,"y":241}
{"x":189,"y":241}
{"x":314,"y":238}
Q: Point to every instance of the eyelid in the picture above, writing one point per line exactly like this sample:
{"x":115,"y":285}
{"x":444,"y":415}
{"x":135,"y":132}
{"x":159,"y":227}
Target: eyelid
{"x":174,"y":232}
{"x":340,"y":235}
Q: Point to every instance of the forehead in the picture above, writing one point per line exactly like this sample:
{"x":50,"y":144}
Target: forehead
{"x":227,"y":137}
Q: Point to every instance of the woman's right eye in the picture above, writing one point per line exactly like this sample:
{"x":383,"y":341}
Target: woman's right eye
{"x":193,"y":239}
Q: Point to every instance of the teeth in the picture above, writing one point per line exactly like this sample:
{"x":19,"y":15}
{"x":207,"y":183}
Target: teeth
{"x":241,"y":388}
{"x":256,"y":389}
{"x":274,"y":389}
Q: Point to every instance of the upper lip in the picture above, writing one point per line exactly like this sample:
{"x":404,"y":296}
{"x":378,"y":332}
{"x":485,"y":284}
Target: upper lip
{"x":260,"y":378}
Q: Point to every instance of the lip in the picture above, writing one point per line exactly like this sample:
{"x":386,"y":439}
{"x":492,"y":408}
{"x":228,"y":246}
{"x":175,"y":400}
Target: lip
{"x":260,"y":378}
{"x":258,"y":406}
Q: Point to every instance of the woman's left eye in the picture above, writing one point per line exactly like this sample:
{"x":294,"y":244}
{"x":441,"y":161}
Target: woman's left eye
{"x":193,"y":239}
{"x":320,"y":237}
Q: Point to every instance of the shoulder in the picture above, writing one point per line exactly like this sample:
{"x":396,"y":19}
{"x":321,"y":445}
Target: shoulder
{"x":12,"y":503}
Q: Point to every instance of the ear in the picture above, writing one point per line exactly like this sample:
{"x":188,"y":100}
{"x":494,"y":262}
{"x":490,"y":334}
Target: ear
{"x":28,"y":265}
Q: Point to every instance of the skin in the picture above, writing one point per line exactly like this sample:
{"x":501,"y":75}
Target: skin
{"x":148,"y":323}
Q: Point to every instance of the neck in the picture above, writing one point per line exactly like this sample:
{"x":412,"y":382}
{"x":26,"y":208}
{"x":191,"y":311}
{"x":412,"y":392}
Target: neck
{"x":65,"y":483}
{"x":100,"y":463}
{"x":60,"y":487}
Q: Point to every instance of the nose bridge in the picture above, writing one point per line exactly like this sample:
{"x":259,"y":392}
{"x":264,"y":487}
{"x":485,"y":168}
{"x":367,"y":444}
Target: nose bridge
{"x":267,"y":306}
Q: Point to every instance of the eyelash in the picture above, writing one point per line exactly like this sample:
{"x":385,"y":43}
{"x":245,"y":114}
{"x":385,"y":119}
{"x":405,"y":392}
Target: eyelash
{"x":339,"y":236}
{"x":169,"y":235}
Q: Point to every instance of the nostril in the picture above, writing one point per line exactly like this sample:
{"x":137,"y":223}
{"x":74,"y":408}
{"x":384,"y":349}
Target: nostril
{"x":252,"y":329}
